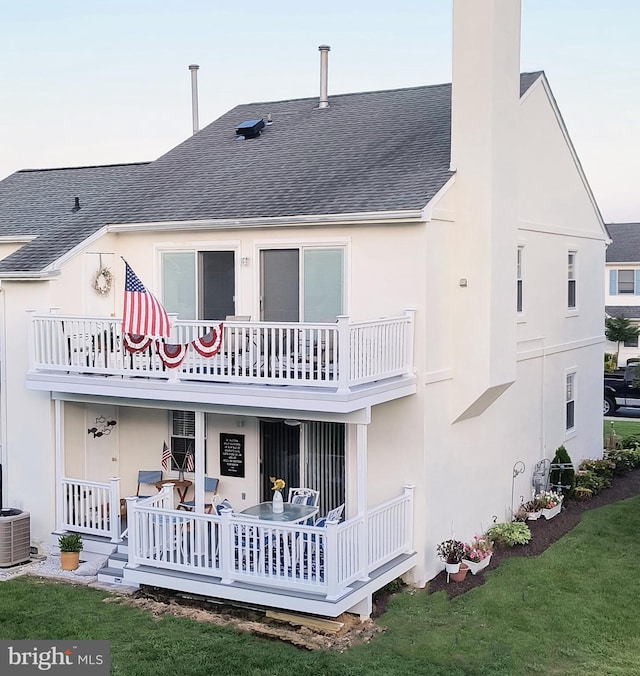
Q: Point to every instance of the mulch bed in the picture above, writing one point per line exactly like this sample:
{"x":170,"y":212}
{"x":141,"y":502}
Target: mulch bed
{"x":544,"y":533}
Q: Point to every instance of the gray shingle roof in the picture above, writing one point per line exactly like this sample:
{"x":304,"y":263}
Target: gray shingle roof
{"x":625,"y":245}
{"x":366,"y":152}
{"x":628,"y":311}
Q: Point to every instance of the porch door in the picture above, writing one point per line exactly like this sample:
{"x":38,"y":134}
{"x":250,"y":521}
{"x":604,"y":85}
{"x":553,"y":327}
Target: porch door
{"x":314,"y":451}
{"x":217,"y":284}
{"x":279,"y":456}
{"x":101,"y":452}
{"x":280,"y":301}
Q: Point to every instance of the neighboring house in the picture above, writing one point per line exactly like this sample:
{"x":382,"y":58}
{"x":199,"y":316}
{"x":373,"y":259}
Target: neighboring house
{"x":622,"y":283}
{"x":414,"y":276}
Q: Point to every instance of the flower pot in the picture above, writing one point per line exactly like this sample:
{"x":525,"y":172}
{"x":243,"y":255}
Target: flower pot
{"x":476,"y":566}
{"x":554,"y":511}
{"x":532,"y":516}
{"x":69,"y":560}
{"x":277,"y":503}
{"x":452,"y":567}
{"x":461,"y":574}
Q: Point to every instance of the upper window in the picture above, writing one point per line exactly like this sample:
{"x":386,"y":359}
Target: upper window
{"x":571,"y":280}
{"x":624,"y":281}
{"x":302,"y":284}
{"x":519,"y":282}
{"x":570,"y":396}
{"x":199,"y":284}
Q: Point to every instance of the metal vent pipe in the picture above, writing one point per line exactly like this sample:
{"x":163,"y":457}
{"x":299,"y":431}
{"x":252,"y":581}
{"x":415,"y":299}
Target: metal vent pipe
{"x":194,"y":96}
{"x":324,"y":75}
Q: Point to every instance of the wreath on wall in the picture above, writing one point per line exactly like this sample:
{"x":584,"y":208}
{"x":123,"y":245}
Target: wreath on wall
{"x":103,"y":279}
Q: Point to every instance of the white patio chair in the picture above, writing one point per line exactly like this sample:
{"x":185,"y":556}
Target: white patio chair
{"x":304,"y":496}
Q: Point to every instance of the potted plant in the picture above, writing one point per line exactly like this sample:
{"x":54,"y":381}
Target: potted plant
{"x":477,"y":553}
{"x":70,"y":547}
{"x":451,"y":552}
{"x":533,"y":509}
{"x":550,"y":503}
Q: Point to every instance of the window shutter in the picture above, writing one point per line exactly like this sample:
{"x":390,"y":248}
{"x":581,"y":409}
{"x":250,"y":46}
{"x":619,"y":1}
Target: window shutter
{"x":636,"y":286}
{"x":613,"y":282}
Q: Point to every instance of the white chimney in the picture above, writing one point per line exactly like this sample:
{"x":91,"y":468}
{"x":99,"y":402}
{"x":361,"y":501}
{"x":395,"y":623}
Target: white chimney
{"x":194,"y":96}
{"x":484,"y":154}
{"x":324,"y":75}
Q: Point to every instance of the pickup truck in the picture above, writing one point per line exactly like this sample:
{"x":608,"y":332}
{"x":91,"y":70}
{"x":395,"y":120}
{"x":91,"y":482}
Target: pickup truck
{"x":622,"y":388}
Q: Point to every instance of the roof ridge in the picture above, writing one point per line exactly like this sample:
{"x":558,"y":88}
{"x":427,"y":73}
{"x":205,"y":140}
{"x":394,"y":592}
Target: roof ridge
{"x":88,"y":166}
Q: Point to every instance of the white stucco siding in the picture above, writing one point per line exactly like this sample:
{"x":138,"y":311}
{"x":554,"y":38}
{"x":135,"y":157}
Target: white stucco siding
{"x":28,"y":461}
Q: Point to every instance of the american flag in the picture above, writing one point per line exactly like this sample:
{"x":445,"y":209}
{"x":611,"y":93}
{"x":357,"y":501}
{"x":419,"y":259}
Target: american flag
{"x":166,"y":456}
{"x":143,"y":314}
{"x":191,"y":467}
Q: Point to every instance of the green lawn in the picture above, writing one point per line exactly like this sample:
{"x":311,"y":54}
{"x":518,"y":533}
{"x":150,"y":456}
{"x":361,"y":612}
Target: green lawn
{"x":573,"y":610}
{"x":623,"y":428}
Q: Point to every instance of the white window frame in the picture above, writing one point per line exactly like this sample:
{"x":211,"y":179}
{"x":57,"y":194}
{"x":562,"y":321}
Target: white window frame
{"x":633,"y":282}
{"x":188,"y":422}
{"x":572,"y":280}
{"x":570,"y":391}
{"x":519,"y":281}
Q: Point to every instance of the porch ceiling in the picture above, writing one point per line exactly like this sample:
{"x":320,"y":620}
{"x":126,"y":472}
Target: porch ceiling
{"x":227,"y":397}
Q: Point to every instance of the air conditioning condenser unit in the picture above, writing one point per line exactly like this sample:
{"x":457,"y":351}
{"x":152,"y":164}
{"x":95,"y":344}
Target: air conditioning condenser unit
{"x":15,"y":537}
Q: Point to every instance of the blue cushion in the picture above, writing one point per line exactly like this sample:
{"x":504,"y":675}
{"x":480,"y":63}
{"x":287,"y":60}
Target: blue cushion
{"x":225,"y":504}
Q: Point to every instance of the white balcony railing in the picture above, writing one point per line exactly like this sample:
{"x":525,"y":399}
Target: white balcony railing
{"x":340,"y":355}
{"x":91,"y":507}
{"x":286,"y":556}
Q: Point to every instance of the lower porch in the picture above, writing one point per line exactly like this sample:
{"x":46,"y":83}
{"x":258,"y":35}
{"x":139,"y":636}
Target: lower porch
{"x":290,"y":566}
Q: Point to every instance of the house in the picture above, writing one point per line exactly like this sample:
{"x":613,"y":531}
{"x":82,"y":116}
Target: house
{"x":622,"y":283}
{"x":412,"y":281}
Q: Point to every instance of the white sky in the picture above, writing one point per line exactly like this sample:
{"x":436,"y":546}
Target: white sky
{"x":107,"y":81}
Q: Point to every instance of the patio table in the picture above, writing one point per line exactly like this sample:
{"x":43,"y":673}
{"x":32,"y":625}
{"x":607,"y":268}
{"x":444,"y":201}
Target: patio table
{"x":292,"y":513}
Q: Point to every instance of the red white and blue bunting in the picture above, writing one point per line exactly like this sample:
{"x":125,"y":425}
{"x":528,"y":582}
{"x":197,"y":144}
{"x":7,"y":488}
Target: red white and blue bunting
{"x":173,"y":354}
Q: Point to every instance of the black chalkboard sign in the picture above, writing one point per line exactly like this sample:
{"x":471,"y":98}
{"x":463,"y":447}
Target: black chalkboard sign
{"x":232,"y":454}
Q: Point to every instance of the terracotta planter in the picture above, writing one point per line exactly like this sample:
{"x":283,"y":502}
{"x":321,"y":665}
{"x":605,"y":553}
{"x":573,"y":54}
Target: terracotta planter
{"x":69,"y":560}
{"x":461,"y":574}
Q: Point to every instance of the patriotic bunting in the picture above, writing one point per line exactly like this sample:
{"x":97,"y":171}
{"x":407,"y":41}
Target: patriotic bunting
{"x":135,"y":343}
{"x":171,"y":355}
{"x":209,"y":344}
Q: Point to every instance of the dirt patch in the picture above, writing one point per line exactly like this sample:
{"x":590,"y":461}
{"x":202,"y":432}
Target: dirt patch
{"x":544,"y":533}
{"x":160,"y":603}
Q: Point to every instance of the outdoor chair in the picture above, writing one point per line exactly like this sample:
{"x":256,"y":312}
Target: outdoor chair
{"x":332,"y":515}
{"x":210,"y":486}
{"x":304,"y":496}
{"x":223,"y":506}
{"x":148,"y":478}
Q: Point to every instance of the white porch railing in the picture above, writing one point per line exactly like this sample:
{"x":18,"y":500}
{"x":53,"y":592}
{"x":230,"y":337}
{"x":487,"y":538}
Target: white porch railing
{"x":340,"y":355}
{"x":291,"y":557}
{"x":90,"y":507}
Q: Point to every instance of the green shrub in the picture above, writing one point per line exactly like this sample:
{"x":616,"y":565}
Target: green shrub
{"x":610,"y":362}
{"x":603,"y":468}
{"x":582,"y":493}
{"x":562,"y":480}
{"x":70,"y":542}
{"x":510,"y":534}
{"x":625,"y":459}
{"x":632,"y":441}
{"x":586,"y":478}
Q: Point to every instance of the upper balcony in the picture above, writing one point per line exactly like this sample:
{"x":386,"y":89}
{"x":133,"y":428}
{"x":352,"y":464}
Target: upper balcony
{"x":337,"y":368}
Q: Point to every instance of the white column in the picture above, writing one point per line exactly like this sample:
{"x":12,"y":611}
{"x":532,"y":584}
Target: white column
{"x":198,"y":488}
{"x":363,"y":530}
{"x":58,"y":410}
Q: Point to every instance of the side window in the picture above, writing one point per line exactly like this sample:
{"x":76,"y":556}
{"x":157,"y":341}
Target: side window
{"x":571,"y":280}
{"x":570,"y":402}
{"x":519,"y":282}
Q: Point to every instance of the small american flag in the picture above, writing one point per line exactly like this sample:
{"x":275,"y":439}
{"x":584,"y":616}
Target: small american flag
{"x":166,"y":456}
{"x":143,"y":314}
{"x":190,"y":465}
